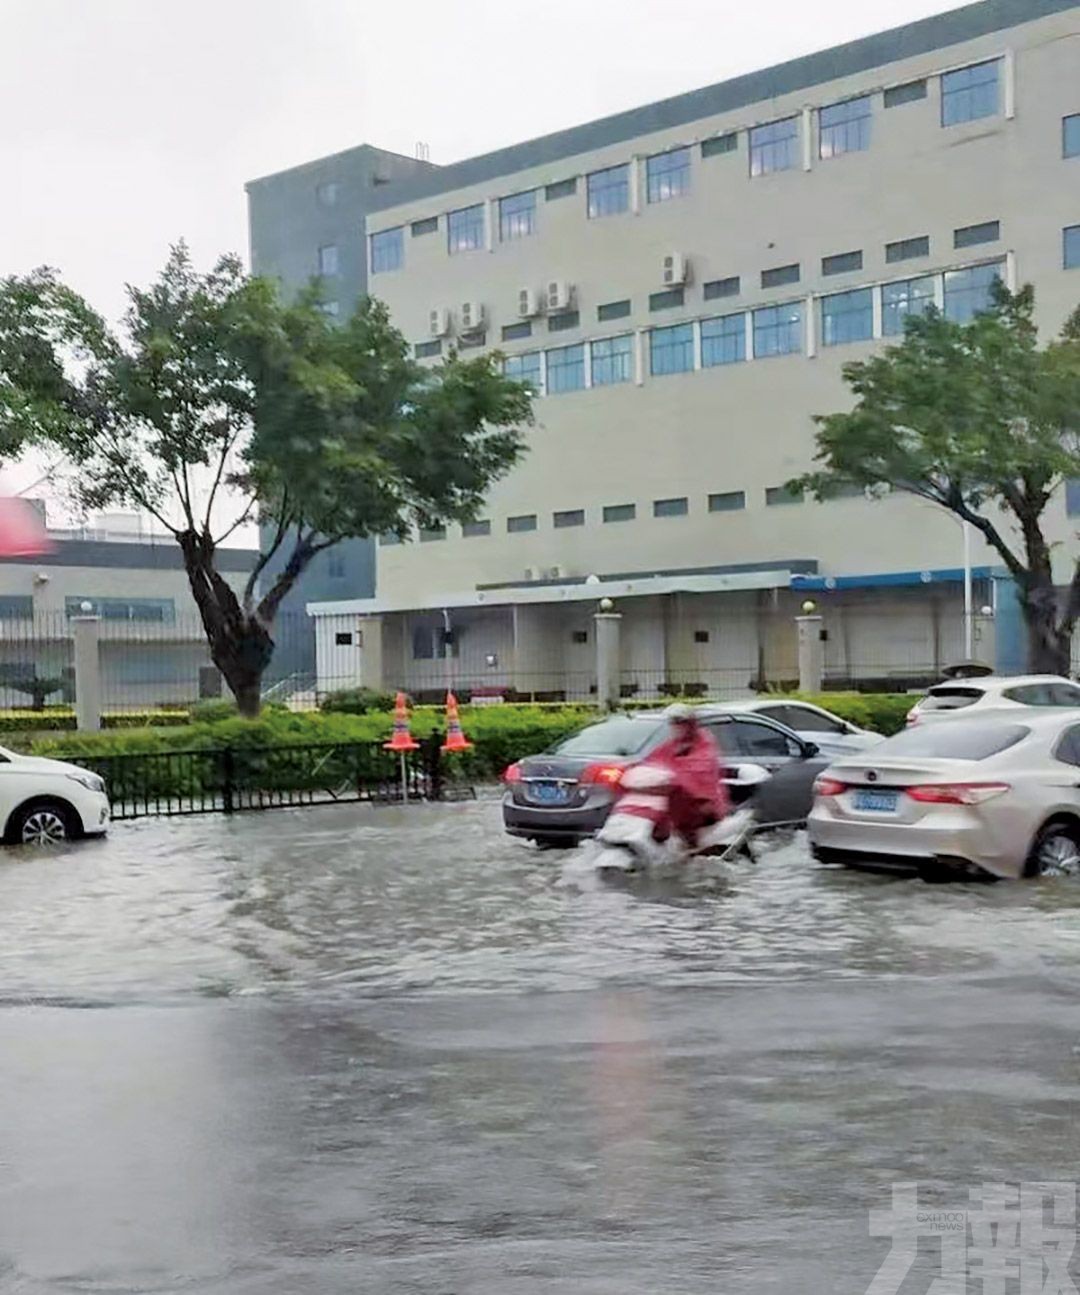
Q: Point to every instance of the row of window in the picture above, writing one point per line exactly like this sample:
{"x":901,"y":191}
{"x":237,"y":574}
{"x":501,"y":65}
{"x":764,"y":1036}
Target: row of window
{"x":967,"y":94}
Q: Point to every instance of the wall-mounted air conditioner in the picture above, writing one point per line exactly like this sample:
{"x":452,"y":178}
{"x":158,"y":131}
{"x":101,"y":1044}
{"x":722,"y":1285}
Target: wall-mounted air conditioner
{"x":528,"y":303}
{"x":470,"y":316}
{"x":439,"y":322}
{"x":674,"y":271}
{"x":559,"y":295}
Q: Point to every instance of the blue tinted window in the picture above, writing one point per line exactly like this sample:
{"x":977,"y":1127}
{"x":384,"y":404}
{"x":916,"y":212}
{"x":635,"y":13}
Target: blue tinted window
{"x":387,"y":250}
{"x":123,"y":609}
{"x":328,"y":260}
{"x":1072,"y":247}
{"x":778,"y":330}
{"x":566,"y":369}
{"x":1072,"y":496}
{"x":774,"y":147}
{"x":1070,"y":136}
{"x":899,"y":300}
{"x":517,"y":216}
{"x":723,"y":341}
{"x":612,"y":360}
{"x":524,"y":368}
{"x":845,"y":127}
{"x":969,"y":93}
{"x":609,"y":191}
{"x":668,"y":175}
{"x":847,"y":317}
{"x":465,"y":229}
{"x":969,"y":292}
{"x":671,"y":350}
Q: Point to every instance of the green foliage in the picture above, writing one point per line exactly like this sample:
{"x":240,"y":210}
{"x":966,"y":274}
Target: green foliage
{"x":879,"y":712}
{"x":357,"y":701}
{"x":211,"y":710}
{"x":38,"y":687}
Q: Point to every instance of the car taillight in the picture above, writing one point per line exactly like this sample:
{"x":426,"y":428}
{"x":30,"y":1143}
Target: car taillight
{"x":958,"y":793}
{"x":607,"y":775}
{"x":512,"y":773}
{"x":829,"y":787}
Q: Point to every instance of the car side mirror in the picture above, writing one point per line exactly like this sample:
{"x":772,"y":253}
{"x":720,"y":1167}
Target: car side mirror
{"x":810,"y":749}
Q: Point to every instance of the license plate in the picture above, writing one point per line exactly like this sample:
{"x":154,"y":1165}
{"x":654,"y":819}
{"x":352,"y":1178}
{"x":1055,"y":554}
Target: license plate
{"x":550,"y":793}
{"x":876,"y":802}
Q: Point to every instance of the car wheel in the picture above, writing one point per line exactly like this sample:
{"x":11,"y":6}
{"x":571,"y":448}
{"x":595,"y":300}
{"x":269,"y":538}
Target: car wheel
{"x":1056,"y":852}
{"x":47,"y":823}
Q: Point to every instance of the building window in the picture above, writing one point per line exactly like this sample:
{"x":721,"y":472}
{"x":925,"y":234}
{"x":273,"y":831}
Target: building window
{"x":465,"y":229}
{"x":613,"y":310}
{"x":472,"y":341}
{"x":1072,"y":496}
{"x":906,"y":249}
{"x":899,"y":300}
{"x":387,"y":250}
{"x":429,"y":225}
{"x":666,"y":300}
{"x":909,"y":92}
{"x":433,"y":643}
{"x":561,"y":189}
{"x":524,"y":368}
{"x":1072,"y":247}
{"x":671,"y":350}
{"x":723,"y":340}
{"x":720,"y":144}
{"x":847,"y":317}
{"x":778,"y":330}
{"x":970,"y":93}
{"x":161,"y":610}
{"x":730,"y":501}
{"x":16,"y":607}
{"x":525,"y":522}
{"x":1070,"y":136}
{"x":671,"y":507}
{"x":335,"y":564}
{"x":568,"y":517}
{"x":430,"y":534}
{"x":774,"y":147}
{"x":721,"y":288}
{"x":988,"y":232}
{"x":620,"y":512}
{"x":701,"y":636}
{"x":844,"y":127}
{"x":841,"y":263}
{"x":776,"y":496}
{"x":475,"y":530}
{"x":779,"y":276}
{"x":564,"y":321}
{"x":609,"y":191}
{"x":667,"y":175}
{"x":970,"y":292}
{"x":516,"y":332}
{"x":566,"y":369}
{"x":613,"y":361}
{"x":327,"y":194}
{"x":425,"y":350}
{"x":517,"y":216}
{"x":328,"y":260}
{"x":389,"y":540}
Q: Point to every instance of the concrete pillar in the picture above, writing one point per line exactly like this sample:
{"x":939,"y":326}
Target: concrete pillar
{"x":87,"y":673}
{"x":608,"y":625}
{"x":811,"y":653}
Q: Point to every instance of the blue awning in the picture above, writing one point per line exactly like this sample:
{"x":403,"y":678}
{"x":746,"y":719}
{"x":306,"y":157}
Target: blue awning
{"x":889,"y":579}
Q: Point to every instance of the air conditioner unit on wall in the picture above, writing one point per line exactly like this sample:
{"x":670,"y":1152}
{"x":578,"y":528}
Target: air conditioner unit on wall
{"x":559,"y":295}
{"x":471,"y":316}
{"x":532,"y":574}
{"x":674,"y":270}
{"x":439,"y":322}
{"x":555,"y":573}
{"x":528,"y":303}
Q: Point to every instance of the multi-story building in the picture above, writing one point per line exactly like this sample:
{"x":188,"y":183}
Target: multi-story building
{"x":682,"y":284}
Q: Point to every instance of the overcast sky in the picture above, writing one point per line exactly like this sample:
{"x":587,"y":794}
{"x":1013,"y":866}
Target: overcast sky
{"x":131,"y":123}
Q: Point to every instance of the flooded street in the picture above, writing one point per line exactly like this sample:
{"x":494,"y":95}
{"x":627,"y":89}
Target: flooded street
{"x":354,"y":1050}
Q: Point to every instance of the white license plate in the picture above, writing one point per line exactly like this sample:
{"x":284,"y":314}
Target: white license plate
{"x":876,"y":802}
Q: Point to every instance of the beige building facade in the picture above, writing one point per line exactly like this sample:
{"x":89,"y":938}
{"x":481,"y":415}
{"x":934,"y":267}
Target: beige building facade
{"x":682,"y":285}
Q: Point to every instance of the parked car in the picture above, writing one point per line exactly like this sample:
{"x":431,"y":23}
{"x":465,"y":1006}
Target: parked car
{"x":998,"y":795}
{"x":44,"y":802}
{"x":993,"y":692}
{"x":828,"y":732}
{"x":563,"y":795}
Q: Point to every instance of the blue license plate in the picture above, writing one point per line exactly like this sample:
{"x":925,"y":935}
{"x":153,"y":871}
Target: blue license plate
{"x":876,"y":802}
{"x":550,"y":793}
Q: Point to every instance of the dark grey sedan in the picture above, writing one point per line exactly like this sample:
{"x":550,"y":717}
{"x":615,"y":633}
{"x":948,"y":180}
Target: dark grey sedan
{"x":564,"y":795}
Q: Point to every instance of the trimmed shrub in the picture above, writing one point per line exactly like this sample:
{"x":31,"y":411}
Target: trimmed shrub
{"x":357,"y":701}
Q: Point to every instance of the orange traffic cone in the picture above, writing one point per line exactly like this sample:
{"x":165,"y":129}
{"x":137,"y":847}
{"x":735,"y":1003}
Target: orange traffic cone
{"x":455,"y":738}
{"x":402,"y":739}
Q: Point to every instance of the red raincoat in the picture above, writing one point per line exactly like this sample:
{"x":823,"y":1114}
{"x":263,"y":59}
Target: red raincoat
{"x":694,"y":795}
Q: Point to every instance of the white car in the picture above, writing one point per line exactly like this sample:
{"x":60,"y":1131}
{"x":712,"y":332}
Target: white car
{"x":44,"y":802}
{"x":998,"y":795}
{"x":828,"y":732}
{"x":970,"y":697}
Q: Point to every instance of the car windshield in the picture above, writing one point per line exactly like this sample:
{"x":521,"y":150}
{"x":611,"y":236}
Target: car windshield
{"x":619,"y":736}
{"x":957,"y":740}
{"x":950,"y":698}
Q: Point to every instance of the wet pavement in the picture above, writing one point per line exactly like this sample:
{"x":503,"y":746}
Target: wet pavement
{"x":354,"y":1050}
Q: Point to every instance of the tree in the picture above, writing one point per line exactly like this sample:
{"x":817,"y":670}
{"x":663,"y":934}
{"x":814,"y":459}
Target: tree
{"x":37,"y":687}
{"x":977,"y":418}
{"x":214,"y":384}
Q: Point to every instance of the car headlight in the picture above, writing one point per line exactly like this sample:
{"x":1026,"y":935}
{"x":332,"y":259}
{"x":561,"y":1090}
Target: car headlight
{"x":90,"y":781}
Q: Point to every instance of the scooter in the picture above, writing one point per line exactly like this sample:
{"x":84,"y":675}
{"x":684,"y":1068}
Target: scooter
{"x":626,"y":844}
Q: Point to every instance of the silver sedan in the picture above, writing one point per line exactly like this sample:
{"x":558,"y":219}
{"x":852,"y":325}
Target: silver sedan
{"x":998,"y":795}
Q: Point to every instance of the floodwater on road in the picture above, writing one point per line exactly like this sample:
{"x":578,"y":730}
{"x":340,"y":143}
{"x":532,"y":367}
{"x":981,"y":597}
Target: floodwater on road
{"x":383,"y":1050}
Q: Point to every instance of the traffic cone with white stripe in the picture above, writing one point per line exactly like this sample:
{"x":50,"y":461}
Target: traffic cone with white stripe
{"x":402,"y":739}
{"x":455,"y":736}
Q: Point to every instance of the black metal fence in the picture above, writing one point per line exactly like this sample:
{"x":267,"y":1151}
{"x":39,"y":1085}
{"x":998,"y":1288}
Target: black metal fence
{"x":233,"y":779}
